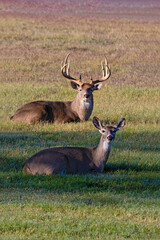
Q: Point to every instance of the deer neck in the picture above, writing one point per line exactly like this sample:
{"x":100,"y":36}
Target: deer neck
{"x":82,"y":108}
{"x":101,"y":153}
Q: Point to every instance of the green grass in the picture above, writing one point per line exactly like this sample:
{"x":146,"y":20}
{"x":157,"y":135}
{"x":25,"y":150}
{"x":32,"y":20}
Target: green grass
{"x":117,"y":206}
{"x":123,"y":201}
{"x":137,"y":105}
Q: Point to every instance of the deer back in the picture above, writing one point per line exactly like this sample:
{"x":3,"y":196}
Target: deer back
{"x":68,"y":160}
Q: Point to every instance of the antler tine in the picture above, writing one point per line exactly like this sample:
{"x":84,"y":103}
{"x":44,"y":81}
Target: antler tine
{"x":91,"y":80}
{"x":67,"y":64}
{"x":65,"y":69}
{"x":106,"y":72}
{"x":103,"y":69}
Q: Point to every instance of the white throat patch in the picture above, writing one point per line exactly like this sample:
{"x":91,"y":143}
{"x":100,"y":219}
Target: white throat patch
{"x":86,"y":104}
{"x":107,"y":145}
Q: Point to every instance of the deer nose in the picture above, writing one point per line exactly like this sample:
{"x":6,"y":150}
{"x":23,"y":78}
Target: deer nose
{"x":86,"y":95}
{"x":110,"y":137}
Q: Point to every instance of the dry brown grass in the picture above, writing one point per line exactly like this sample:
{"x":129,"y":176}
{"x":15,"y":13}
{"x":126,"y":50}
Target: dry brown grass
{"x":36,"y":36}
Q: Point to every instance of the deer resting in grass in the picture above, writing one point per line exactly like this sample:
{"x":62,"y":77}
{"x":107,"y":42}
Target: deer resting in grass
{"x":62,"y":112}
{"x":75,"y":160}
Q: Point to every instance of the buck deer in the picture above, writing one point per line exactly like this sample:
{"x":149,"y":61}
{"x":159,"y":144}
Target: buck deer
{"x":75,"y":160}
{"x":79,"y":109}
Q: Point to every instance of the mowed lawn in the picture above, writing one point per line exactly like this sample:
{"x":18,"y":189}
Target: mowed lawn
{"x":124,"y":201}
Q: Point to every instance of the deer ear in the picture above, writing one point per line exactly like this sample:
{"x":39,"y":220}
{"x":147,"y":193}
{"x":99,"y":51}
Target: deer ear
{"x":97,"y":123}
{"x":97,"y":86}
{"x":74,"y":85}
{"x":120,"y":124}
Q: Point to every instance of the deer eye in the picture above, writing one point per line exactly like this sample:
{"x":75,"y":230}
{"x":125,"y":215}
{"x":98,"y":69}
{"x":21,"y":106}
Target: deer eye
{"x":103,"y":131}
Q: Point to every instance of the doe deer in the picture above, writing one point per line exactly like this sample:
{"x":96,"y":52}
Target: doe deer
{"x":75,"y":160}
{"x":79,"y":109}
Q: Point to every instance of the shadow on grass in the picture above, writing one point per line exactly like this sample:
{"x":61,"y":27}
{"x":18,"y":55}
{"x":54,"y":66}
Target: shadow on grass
{"x":113,"y":167}
{"x":116,"y":183}
{"x":122,"y":177}
{"x":16,"y":148}
{"x":145,"y":140}
{"x":15,"y":164}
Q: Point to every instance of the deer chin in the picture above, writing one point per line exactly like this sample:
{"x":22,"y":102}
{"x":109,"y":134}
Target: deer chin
{"x":86,"y":100}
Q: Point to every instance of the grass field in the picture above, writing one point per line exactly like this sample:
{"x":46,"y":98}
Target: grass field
{"x":124,"y":201}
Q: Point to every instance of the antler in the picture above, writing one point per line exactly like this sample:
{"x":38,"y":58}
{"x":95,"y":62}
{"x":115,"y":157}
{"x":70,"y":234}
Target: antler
{"x":65,"y":69}
{"x":105,"y":71}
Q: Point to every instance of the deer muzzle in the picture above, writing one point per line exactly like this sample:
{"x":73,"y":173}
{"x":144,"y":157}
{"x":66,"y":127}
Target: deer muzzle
{"x":110,"y":137}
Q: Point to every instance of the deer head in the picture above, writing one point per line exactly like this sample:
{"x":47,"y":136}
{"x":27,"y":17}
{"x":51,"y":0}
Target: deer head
{"x":108,"y":132}
{"x":85,"y":89}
